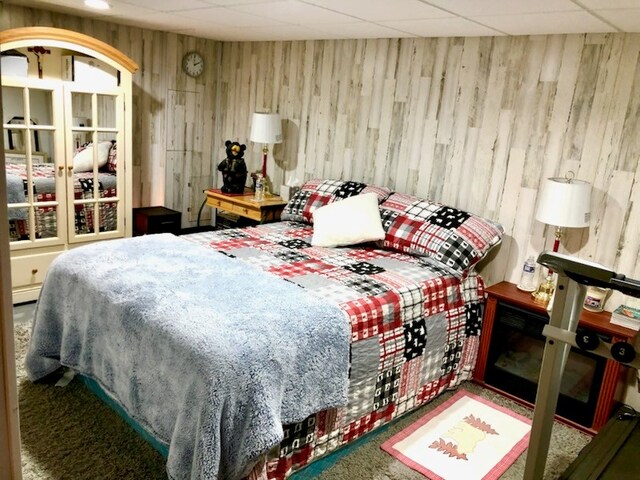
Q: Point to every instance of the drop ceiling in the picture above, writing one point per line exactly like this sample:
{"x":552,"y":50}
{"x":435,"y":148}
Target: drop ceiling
{"x":256,"y":20}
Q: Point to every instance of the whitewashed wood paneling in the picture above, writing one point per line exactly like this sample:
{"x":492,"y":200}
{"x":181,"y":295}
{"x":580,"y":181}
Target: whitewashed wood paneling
{"x":162,"y":136}
{"x":477,"y":123}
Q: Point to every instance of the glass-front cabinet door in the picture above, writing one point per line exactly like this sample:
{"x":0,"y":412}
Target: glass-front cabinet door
{"x":35,"y":162}
{"x":95,"y":128}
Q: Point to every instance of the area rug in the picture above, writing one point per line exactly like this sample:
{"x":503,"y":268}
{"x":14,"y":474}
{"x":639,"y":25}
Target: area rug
{"x":465,"y":437}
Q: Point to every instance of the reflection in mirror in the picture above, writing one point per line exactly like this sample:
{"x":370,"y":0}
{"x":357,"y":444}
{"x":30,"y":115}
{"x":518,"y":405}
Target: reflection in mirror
{"x":12,"y":103}
{"x":106,"y":114}
{"x":18,"y":224}
{"x":17,"y":193}
{"x":41,"y":107}
{"x":80,"y":139}
{"x":81,"y":109}
{"x":46,"y":223}
{"x":108,"y":171}
{"x":42,"y":187}
{"x":84,"y":157}
{"x":47,"y":148}
{"x":84,"y":214}
{"x":108,"y":216}
{"x":15,"y":155}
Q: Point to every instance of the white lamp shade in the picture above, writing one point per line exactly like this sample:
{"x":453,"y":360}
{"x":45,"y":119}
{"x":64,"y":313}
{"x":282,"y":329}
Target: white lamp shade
{"x":565,"y":203}
{"x":266,"y":128}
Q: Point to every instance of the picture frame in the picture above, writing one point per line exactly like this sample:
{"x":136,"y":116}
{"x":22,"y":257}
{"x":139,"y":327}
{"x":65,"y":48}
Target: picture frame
{"x":14,"y":156}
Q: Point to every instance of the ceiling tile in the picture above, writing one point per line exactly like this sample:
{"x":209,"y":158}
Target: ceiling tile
{"x":274,"y":33}
{"x":360,"y":30}
{"x":233,"y":3}
{"x":225,"y":16}
{"x":626,"y":19}
{"x":164,"y":5}
{"x":155,"y":21}
{"x":441,"y":27}
{"x":123,"y":9}
{"x":375,"y":10}
{"x":546,"y":23}
{"x":609,"y":4}
{"x":516,"y":17}
{"x":472,"y":8}
{"x":65,"y":6}
{"x":297,"y":13}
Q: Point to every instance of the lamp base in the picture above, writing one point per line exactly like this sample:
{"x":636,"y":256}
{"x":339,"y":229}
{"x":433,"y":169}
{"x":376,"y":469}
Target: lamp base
{"x":544,"y":292}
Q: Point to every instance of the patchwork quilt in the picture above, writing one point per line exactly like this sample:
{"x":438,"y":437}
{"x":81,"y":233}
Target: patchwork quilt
{"x":414,"y":330}
{"x":43,"y":178}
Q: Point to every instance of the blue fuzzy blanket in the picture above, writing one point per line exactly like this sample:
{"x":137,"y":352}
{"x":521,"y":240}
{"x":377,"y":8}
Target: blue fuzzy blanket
{"x":209,"y":354}
{"x":15,"y":194}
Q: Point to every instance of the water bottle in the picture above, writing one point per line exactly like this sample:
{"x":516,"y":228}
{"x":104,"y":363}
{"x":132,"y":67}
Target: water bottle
{"x":259,"y":193}
{"x":528,"y":278}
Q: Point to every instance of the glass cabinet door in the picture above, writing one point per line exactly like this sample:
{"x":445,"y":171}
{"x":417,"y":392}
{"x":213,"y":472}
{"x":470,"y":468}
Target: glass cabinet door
{"x":94,"y":129}
{"x":34,"y":155}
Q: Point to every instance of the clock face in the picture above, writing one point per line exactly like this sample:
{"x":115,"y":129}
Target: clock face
{"x":193,"y":64}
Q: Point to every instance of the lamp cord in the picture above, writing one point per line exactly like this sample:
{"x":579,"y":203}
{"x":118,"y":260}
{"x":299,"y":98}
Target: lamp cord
{"x":200,"y":211}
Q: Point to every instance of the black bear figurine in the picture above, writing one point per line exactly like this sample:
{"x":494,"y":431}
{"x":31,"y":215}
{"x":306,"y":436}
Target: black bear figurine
{"x":233,"y":168}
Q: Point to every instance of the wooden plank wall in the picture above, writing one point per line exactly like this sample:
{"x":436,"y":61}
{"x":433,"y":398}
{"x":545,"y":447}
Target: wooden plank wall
{"x":477,"y":123}
{"x":172,"y":165}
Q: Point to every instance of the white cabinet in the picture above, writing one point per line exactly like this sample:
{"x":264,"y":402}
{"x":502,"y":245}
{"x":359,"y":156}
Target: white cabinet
{"x":67,"y":153}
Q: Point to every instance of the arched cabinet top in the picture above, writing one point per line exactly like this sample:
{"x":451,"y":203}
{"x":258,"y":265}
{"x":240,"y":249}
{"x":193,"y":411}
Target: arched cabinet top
{"x":58,"y":37}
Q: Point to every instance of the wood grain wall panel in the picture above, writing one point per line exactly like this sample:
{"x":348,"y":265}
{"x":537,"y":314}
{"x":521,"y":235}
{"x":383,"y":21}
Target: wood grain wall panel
{"x":159,"y":55}
{"x":477,"y":123}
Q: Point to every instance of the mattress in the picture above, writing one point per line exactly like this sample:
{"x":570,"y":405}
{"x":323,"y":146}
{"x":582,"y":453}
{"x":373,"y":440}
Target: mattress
{"x":414,"y":330}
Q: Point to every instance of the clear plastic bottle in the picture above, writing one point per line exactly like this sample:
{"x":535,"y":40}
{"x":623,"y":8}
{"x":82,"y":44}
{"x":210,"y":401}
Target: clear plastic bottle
{"x":259,"y":193}
{"x":528,"y":277}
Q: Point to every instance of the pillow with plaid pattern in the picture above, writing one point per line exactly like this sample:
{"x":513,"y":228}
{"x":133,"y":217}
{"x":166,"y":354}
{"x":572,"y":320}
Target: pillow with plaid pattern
{"x":452,"y":238}
{"x":318,"y":193}
{"x":112,"y":161}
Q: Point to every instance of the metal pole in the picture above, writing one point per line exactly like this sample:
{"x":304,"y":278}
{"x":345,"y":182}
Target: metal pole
{"x":569,"y":297}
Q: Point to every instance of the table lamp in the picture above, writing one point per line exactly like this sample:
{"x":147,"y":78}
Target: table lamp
{"x":564,"y":203}
{"x":266,"y":128}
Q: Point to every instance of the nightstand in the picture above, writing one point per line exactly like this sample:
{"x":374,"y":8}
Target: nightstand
{"x":510,"y":355}
{"x":150,"y":220}
{"x":267,"y":210}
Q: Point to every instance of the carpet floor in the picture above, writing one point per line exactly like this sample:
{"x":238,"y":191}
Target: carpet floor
{"x":68,"y":433}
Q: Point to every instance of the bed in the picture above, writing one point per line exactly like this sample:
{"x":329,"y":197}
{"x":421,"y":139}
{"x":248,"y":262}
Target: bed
{"x":44,"y":191}
{"x":375,"y":329}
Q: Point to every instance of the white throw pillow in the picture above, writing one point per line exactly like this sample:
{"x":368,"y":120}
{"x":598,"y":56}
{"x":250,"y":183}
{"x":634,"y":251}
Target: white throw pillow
{"x":348,"y":222}
{"x":83,"y":160}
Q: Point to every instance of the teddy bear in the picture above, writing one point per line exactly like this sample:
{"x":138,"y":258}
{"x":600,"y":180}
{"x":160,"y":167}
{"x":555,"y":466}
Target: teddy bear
{"x":233,"y":168}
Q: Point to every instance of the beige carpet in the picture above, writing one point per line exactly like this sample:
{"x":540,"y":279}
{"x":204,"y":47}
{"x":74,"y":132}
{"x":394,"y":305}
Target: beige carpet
{"x":67,"y":433}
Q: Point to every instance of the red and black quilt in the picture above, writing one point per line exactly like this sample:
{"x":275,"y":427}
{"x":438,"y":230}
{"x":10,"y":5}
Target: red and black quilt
{"x":414,"y":329}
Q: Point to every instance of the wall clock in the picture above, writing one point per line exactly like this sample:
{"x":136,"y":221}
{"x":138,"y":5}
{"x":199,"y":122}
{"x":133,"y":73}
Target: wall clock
{"x":193,"y":64}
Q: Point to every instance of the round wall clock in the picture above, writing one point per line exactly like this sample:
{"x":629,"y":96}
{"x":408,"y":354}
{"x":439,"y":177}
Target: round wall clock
{"x":193,"y":64}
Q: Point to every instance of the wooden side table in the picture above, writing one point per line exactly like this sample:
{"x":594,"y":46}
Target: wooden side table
{"x":268,"y":210}
{"x":514,"y":312}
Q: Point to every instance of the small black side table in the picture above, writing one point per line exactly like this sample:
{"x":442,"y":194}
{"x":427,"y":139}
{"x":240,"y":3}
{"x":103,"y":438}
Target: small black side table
{"x":150,"y":220}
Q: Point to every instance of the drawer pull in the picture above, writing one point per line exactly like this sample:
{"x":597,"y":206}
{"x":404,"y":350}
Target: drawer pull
{"x":34,"y":271}
{"x":61,"y":168}
{"x":70,"y":168}
{"x":245,"y":210}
